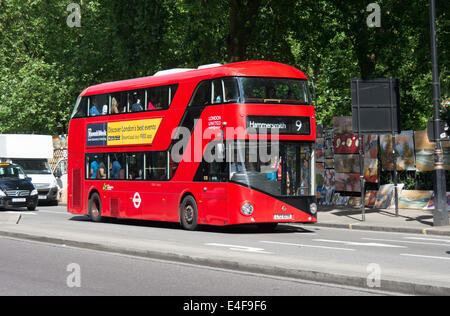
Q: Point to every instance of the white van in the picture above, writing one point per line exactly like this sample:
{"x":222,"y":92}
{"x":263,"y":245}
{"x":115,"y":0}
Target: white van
{"x":32,"y":153}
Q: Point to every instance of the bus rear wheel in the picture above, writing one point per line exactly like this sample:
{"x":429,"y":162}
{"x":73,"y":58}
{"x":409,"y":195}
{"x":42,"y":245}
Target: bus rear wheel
{"x":95,"y":207}
{"x":189,"y":213}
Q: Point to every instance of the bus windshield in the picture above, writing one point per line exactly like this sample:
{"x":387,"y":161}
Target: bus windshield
{"x":282,"y":169}
{"x":275,"y":90}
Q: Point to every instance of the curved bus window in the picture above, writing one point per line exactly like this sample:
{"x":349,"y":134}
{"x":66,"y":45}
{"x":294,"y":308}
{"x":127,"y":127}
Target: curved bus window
{"x":81,"y":107}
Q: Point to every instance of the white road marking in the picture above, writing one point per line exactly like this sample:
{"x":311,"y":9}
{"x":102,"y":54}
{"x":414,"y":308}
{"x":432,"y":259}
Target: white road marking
{"x":426,"y":257}
{"x":307,"y":246}
{"x":54,"y":212}
{"x":20,"y":213}
{"x":353,"y":243}
{"x":240,"y":248}
{"x":407,"y":242}
{"x":428,"y":239}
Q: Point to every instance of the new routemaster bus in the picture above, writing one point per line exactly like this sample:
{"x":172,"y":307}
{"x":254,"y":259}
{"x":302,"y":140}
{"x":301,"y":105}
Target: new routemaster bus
{"x":218,"y":145}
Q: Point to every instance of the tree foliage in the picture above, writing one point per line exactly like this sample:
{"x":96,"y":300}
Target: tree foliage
{"x":45,"y":64}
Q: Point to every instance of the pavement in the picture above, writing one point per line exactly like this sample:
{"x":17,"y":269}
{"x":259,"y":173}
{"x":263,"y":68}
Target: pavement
{"x":412,"y":221}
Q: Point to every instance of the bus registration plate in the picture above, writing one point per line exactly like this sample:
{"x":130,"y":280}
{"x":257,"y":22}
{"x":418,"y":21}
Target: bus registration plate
{"x":282,"y":216}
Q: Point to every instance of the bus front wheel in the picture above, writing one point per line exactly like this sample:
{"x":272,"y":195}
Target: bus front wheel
{"x":189,"y":213}
{"x":95,"y":207}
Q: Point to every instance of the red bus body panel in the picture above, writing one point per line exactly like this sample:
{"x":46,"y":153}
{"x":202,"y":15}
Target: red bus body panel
{"x":218,"y":203}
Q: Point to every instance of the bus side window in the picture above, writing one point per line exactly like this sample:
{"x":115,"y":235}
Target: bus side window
{"x":202,"y":95}
{"x":136,"y":100}
{"x":217,"y":90}
{"x":118,"y":102}
{"x":99,"y":105}
{"x":156,"y":166}
{"x":135,"y":166}
{"x":231,"y":90}
{"x":96,"y":166}
{"x":116,"y":166}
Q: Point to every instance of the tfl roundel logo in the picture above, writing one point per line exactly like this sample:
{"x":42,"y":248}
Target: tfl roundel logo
{"x":137,"y":200}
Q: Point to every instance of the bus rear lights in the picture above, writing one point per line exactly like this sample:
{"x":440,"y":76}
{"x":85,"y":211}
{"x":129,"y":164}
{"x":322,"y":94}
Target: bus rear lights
{"x":247,"y":209}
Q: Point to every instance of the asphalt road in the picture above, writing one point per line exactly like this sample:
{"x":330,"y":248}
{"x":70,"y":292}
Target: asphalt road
{"x":377,"y":256}
{"x":32,"y":268}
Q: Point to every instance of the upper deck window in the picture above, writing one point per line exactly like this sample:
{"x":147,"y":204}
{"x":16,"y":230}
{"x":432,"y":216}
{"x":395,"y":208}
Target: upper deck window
{"x":147,"y":99}
{"x":216,"y":91}
{"x":81,"y":107}
{"x":275,"y":90}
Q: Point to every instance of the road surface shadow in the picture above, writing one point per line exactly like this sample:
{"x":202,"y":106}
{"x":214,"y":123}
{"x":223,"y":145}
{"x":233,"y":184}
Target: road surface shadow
{"x":231,"y":229}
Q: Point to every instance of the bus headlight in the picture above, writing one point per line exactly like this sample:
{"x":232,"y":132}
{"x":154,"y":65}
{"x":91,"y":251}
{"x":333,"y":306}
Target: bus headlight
{"x":313,"y":208}
{"x":247,"y":209}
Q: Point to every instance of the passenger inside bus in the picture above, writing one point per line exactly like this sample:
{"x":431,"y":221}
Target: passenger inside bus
{"x":137,"y":107}
{"x":114,"y":106}
{"x":115,"y":168}
{"x":101,"y":171}
{"x":93,"y":111}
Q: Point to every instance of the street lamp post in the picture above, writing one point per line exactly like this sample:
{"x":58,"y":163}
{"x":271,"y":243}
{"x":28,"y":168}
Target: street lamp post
{"x":440,"y":205}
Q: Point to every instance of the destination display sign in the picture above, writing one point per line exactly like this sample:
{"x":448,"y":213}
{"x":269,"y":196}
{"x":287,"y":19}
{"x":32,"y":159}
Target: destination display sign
{"x":287,"y":125}
{"x":138,"y":132}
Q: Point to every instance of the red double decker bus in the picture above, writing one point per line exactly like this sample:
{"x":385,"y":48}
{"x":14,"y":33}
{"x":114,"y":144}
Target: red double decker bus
{"x":218,"y":145}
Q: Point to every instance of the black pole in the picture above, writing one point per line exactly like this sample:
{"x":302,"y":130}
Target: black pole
{"x":361,"y":155}
{"x":394,"y":148}
{"x":440,"y":205}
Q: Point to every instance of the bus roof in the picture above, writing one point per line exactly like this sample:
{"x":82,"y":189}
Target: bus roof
{"x":247,"y":69}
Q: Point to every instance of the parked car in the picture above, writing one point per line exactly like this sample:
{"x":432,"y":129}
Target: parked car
{"x":16,"y":188}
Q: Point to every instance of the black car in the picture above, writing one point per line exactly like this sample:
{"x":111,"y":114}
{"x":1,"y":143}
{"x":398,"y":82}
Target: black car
{"x":16,"y":189}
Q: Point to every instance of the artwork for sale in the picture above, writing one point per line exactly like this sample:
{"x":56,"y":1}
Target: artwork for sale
{"x":346,"y":144}
{"x":320,"y":170}
{"x":371,"y":146}
{"x":328,"y":148}
{"x":425,"y":152}
{"x":329,"y":163}
{"x":329,"y":178}
{"x":404,"y":144}
{"x":347,"y":182}
{"x":342,"y":125}
{"x":430,"y":204}
{"x":319,"y":150}
{"x":355,"y":202}
{"x":371,"y":170}
{"x":414,"y":199}
{"x":384,"y":196}
{"x":346,"y":163}
{"x":370,"y":198}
